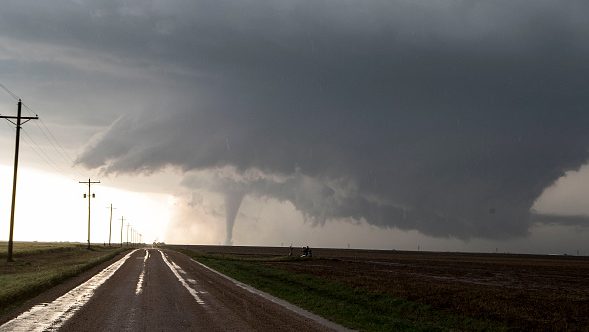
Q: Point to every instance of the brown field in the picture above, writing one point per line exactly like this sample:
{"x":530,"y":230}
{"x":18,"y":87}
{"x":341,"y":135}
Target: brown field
{"x":529,"y":292}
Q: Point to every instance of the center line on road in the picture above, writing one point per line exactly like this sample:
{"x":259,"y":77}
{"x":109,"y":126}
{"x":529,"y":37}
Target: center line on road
{"x":191,"y":290}
{"x":51,"y":316}
{"x":139,"y":288}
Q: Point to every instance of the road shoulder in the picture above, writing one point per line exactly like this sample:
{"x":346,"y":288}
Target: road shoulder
{"x":54,"y":292}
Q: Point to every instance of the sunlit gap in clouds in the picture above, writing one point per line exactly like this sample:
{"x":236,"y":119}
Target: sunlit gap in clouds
{"x":50,"y":207}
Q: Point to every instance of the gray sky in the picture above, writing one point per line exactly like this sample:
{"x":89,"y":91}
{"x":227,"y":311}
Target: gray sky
{"x":449,"y":118}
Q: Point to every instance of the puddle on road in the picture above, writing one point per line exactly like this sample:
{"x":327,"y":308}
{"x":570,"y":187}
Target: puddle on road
{"x":51,"y":316}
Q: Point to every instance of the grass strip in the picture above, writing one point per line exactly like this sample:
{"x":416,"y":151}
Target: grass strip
{"x":22,"y":249}
{"x":351,"y":307}
{"x":32,"y":274}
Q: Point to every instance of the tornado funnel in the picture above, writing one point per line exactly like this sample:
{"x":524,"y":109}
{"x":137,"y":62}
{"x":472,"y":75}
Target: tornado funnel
{"x":232,"y":203}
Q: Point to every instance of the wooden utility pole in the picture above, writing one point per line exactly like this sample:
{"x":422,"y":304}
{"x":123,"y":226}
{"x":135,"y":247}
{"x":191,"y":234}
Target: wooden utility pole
{"x":128,"y":234}
{"x":122,"y":221}
{"x":18,"y":123}
{"x":110,"y":224}
{"x":89,"y":183}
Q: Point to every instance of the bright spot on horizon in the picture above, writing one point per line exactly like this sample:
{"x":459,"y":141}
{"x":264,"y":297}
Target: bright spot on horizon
{"x":51,"y":207}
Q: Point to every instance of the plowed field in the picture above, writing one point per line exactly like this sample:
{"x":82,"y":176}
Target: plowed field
{"x":529,"y":292}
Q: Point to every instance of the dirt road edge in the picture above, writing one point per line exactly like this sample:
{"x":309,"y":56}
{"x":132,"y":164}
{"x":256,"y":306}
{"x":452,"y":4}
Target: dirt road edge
{"x":283,"y":303}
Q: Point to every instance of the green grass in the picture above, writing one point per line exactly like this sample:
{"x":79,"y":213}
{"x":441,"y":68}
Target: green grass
{"x":40,"y":267}
{"x":351,"y":307}
{"x":27,"y":248}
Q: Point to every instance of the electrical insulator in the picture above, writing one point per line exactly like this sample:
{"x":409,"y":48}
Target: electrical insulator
{"x":84,"y":195}
{"x":93,"y":195}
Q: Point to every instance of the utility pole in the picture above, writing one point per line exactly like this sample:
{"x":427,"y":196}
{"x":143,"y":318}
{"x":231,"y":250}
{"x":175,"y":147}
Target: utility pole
{"x":110,"y":224}
{"x":89,"y":183}
{"x":127,"y":234}
{"x":122,"y":221}
{"x":18,"y":123}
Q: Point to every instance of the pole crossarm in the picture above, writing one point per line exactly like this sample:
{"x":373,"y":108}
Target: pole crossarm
{"x":26,"y":118}
{"x":16,"y":117}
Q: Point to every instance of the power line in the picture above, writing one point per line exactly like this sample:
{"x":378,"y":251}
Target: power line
{"x":28,"y":108}
{"x":43,"y":127}
{"x":12,"y":94}
{"x":46,"y":157}
{"x":55,"y":144}
{"x":41,"y":152}
{"x":50,"y":138}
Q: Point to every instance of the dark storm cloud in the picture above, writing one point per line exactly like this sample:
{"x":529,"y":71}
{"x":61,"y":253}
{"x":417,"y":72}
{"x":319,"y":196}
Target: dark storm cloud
{"x":446,"y":117}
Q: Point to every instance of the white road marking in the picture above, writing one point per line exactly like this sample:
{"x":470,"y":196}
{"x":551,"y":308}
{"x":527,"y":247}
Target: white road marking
{"x":175,"y":270}
{"x":51,"y":316}
{"x":139,"y":288}
{"x":178,"y":268}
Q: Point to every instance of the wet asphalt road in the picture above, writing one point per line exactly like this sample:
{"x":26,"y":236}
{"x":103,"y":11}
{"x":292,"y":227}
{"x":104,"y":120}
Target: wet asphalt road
{"x":155,"y":290}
